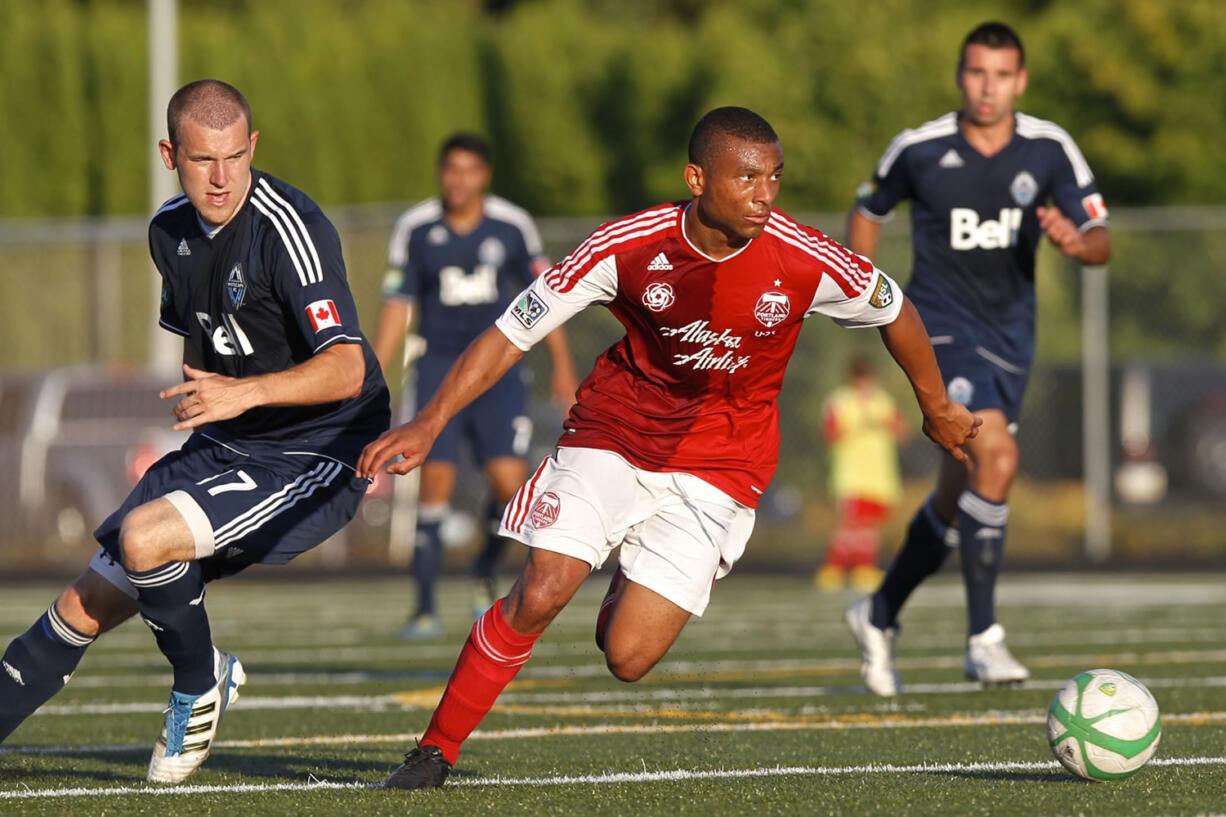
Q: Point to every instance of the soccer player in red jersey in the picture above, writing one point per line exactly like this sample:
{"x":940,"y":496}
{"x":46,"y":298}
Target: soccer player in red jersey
{"x":675,"y":434}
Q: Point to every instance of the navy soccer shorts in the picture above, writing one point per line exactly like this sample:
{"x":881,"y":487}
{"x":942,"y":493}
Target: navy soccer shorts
{"x":260,"y":505}
{"x":495,"y":424}
{"x":980,"y":379}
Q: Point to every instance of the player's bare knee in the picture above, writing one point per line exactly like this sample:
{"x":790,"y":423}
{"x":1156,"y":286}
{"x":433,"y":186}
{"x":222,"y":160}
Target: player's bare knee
{"x":139,"y":546}
{"x":625,"y":666}
{"x":91,"y":605}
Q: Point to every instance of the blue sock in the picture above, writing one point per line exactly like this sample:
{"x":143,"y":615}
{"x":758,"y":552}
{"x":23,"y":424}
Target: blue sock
{"x":171,"y":601}
{"x":485,"y":566}
{"x":427,"y":559}
{"x":36,"y":665}
{"x":981,"y":525}
{"x":922,"y":554}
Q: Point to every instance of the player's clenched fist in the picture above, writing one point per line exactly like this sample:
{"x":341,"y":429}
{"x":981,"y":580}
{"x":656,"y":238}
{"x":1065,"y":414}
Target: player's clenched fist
{"x":411,"y":441}
{"x":950,"y":426}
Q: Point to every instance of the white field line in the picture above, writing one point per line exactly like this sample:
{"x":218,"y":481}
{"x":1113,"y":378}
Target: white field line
{"x":833,"y":724}
{"x":669,"y":775}
{"x":405,"y":701}
{"x":586,"y":666}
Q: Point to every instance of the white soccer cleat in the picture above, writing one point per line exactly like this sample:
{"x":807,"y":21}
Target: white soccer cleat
{"x":989,"y":661}
{"x":876,"y":649}
{"x":191,"y":723}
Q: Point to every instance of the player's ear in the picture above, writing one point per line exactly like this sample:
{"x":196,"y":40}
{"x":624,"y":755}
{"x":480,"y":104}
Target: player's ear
{"x":254,"y":137}
{"x":168,"y":153}
{"x":694,"y":178}
{"x":1023,"y":77}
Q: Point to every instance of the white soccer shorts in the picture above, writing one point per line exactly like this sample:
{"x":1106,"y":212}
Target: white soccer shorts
{"x":677,"y":533}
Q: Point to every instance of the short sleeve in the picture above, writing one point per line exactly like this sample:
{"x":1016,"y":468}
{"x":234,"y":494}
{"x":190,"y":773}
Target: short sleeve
{"x":171,"y":316}
{"x":308,"y":273}
{"x":1073,"y":189}
{"x":876,"y":304}
{"x":544,"y":306}
{"x":890,"y":184}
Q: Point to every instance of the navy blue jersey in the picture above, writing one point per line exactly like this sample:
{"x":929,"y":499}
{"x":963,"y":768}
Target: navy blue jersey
{"x":263,"y":294}
{"x":461,"y":283}
{"x":974,"y":228}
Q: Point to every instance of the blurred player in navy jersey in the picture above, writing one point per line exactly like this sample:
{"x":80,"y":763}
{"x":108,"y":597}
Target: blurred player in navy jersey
{"x":675,"y":433}
{"x":281,"y":394}
{"x":980,"y":181}
{"x":454,"y":263}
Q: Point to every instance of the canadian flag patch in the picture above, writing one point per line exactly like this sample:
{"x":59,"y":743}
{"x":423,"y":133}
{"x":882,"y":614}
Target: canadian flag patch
{"x":323,"y":315}
{"x":1094,"y":206}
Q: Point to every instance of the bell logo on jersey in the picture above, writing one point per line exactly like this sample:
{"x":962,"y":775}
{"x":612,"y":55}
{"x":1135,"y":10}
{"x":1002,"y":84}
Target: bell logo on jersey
{"x":323,"y":315}
{"x":658,"y":297}
{"x":227,"y":336}
{"x":772,"y":308}
{"x":967,"y":232}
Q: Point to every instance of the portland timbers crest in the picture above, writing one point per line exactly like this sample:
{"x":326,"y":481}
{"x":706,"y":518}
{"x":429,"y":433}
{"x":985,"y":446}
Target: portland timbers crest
{"x":236,"y":285}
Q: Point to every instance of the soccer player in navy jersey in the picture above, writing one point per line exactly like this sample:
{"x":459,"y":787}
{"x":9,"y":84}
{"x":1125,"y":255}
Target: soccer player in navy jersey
{"x":986,"y":184}
{"x":454,"y":263}
{"x":281,"y":393}
{"x":675,"y":433}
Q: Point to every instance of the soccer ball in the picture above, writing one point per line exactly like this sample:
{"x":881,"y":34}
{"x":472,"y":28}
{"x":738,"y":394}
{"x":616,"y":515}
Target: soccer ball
{"x":1103,"y":725}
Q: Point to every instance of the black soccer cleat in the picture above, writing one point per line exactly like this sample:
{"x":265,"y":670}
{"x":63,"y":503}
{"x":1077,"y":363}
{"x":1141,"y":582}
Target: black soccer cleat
{"x":423,"y":768}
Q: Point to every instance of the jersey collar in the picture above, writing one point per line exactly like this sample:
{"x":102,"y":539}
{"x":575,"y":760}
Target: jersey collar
{"x":691,"y":245}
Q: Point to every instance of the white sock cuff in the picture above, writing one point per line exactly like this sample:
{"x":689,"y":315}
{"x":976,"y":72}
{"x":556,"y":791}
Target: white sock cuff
{"x":995,"y":514}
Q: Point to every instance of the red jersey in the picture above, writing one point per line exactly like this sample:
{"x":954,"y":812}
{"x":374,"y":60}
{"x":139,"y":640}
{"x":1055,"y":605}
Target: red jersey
{"x":692,"y":385}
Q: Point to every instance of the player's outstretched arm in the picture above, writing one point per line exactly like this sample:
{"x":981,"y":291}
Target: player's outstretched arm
{"x":947,"y":423}
{"x":481,"y":365}
{"x":336,"y":373}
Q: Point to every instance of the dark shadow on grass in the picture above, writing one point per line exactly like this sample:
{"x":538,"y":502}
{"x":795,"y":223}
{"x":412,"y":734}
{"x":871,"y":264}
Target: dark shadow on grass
{"x":1007,"y":776}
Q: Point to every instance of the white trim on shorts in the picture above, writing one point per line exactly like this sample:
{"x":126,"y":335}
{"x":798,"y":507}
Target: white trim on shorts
{"x":197,"y":521}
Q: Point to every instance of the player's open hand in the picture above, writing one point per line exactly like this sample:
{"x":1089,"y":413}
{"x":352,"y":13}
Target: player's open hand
{"x":206,"y":397}
{"x":950,"y":426}
{"x":1061,"y":230}
{"x":411,"y":441}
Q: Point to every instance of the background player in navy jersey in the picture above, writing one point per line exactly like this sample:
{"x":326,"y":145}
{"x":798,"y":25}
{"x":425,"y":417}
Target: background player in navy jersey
{"x":454,"y":263}
{"x":281,"y":392}
{"x":674,"y":435}
{"x":979,"y":181}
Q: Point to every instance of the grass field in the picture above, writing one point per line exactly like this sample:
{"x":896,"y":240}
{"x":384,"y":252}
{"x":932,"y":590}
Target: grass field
{"x":757,"y":710}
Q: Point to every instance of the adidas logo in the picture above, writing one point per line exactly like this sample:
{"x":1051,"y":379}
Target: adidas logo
{"x":183,"y":248}
{"x":659,"y":263}
{"x":951,"y":159}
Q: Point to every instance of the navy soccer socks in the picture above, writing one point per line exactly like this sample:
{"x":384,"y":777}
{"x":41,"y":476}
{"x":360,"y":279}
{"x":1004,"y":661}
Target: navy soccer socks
{"x":485,"y":566}
{"x":922,"y":554}
{"x":36,"y":665}
{"x":171,"y":601}
{"x":427,"y":559}
{"x":981,"y":526}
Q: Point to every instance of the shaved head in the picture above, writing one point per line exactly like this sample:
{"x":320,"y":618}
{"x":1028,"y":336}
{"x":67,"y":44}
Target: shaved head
{"x":209,"y":102}
{"x":716,"y":125}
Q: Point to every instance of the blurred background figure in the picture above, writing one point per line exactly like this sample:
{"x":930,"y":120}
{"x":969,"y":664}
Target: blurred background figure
{"x":862,"y":426}
{"x":455,"y":261}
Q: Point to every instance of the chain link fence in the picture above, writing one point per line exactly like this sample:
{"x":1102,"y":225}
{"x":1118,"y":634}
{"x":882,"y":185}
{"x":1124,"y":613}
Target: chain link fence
{"x":79,"y":307}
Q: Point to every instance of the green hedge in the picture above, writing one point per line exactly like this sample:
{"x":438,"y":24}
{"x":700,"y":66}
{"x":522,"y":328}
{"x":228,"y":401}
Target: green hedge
{"x":590,"y":103}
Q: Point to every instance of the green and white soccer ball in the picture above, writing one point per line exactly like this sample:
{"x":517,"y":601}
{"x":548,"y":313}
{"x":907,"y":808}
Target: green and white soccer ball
{"x":1103,"y":725}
